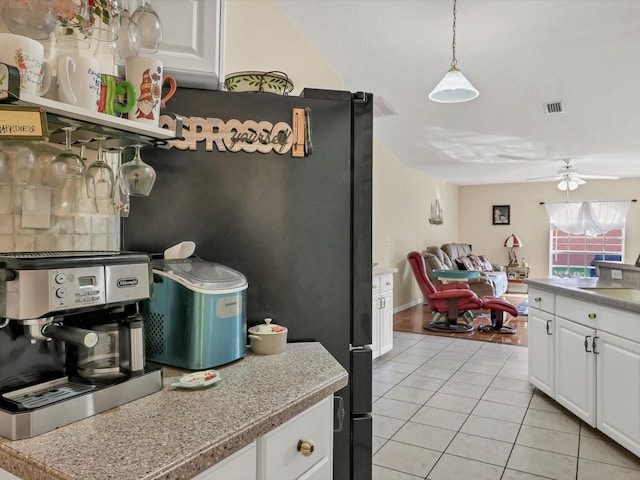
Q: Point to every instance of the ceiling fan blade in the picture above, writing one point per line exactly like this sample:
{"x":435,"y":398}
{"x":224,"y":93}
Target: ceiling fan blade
{"x":548,"y":178}
{"x":577,"y":179}
{"x":596,"y":177}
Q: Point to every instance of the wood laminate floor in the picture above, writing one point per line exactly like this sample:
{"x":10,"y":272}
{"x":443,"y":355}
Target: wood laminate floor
{"x":412,"y":320}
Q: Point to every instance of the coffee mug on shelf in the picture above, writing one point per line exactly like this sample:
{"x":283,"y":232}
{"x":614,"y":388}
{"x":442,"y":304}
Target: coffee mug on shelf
{"x":117,"y":96}
{"x":27,"y":55}
{"x":79,"y":81}
{"x":145,"y":73}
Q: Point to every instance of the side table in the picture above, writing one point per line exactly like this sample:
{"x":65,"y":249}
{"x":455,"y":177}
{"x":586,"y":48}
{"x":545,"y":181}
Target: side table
{"x":515,"y":275}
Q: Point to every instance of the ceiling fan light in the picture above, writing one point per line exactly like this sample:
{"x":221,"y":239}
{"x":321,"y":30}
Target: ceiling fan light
{"x":565,"y":185}
{"x":453,"y":88}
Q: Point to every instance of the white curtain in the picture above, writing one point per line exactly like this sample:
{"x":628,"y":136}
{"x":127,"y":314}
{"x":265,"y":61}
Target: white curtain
{"x":588,"y":218}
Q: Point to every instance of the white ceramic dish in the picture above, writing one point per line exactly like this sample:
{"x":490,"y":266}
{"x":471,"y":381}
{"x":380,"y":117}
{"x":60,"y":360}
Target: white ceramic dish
{"x":197,"y":379}
{"x":271,"y":82}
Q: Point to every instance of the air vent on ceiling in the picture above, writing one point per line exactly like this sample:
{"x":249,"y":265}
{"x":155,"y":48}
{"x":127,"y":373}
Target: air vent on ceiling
{"x":553,"y":107}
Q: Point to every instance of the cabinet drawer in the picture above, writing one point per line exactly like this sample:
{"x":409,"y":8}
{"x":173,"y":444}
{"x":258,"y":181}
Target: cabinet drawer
{"x":278,"y":455}
{"x":622,"y":323}
{"x":584,"y":313}
{"x":542,"y":300}
{"x":382,"y":283}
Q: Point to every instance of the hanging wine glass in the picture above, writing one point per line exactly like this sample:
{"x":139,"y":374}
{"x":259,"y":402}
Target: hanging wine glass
{"x":121,"y":203}
{"x":99,"y":176}
{"x":137,"y":177}
{"x":149,"y":27}
{"x":67,"y":170}
{"x":128,"y":35}
{"x":67,"y":163}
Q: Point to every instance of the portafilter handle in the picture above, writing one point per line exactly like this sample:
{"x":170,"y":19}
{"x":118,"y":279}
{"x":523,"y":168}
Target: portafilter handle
{"x":77,"y":336}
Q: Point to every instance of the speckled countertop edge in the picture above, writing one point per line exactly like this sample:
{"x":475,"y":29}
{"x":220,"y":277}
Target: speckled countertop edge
{"x":175,"y":434}
{"x":575,"y":288}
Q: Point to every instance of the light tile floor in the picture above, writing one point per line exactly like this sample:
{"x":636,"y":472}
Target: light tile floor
{"x":455,"y":409}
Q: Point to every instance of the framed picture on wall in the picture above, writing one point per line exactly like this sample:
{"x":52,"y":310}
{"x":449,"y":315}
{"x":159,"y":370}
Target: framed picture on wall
{"x":501,"y":214}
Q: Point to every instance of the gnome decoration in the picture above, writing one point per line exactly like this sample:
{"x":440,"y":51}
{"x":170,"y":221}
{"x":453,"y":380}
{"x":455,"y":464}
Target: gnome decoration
{"x":149,"y":94}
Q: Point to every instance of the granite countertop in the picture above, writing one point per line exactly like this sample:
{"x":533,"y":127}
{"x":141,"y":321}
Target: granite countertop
{"x":177,"y":433}
{"x":575,"y":288}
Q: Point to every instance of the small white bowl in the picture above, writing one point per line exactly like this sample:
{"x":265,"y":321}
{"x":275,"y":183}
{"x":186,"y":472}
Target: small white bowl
{"x":268,"y":338}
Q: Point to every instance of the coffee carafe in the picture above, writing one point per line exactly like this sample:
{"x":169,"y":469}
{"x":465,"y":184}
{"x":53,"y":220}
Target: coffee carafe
{"x":71,"y":337}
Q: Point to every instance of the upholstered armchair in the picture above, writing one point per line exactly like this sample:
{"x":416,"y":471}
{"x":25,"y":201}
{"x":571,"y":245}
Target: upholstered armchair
{"x":457,"y":300}
{"x":452,"y":300}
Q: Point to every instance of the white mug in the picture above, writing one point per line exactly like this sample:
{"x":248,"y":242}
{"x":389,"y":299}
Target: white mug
{"x":145,"y":73}
{"x":79,"y":81}
{"x":28,"y":56}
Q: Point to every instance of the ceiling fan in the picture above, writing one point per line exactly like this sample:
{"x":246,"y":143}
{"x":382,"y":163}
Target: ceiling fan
{"x":570,"y":179}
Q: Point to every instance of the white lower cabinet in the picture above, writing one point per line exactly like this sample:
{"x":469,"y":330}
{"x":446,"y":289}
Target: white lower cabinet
{"x":4,"y":475}
{"x":618,"y":398}
{"x":239,"y":466}
{"x":382,"y":314}
{"x":596,"y":373}
{"x":541,"y":350}
{"x":300,"y":449}
{"x":576,"y":369}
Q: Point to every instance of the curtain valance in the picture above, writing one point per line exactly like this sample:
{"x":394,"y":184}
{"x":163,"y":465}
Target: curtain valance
{"x":588,"y":218}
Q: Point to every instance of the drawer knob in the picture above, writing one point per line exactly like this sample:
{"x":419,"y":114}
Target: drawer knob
{"x":305,"y":447}
{"x":592,"y":316}
{"x":537,"y":299}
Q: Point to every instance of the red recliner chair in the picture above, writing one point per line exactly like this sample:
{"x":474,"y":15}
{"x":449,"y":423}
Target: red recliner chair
{"x":452,"y":300}
{"x":457,"y":300}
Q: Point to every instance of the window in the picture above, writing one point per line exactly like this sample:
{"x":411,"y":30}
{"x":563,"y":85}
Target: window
{"x":574,"y":255}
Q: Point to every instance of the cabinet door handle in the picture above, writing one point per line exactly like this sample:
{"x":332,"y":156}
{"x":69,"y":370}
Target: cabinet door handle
{"x":586,"y":344}
{"x":537,"y":299}
{"x":379,"y":303}
{"x":339,"y":409}
{"x":594,"y":345}
{"x":592,"y":316}
{"x":384,"y":302}
{"x":305,"y":447}
{"x":548,"y":329}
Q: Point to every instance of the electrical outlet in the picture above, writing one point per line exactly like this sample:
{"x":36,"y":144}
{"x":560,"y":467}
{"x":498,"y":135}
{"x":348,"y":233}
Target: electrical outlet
{"x":616,"y":274}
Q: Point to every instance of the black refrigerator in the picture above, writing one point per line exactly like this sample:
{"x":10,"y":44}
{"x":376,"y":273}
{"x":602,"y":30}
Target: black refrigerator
{"x":298,"y":227}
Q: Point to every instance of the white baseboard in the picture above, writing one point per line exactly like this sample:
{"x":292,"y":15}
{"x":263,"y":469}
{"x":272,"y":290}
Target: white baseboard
{"x":413,"y":303}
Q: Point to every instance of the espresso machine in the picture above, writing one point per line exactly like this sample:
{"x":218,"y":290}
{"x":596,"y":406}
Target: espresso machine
{"x":71,"y":338}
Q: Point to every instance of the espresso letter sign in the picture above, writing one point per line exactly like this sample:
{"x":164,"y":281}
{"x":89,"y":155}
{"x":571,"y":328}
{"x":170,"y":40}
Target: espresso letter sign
{"x":233,"y":136}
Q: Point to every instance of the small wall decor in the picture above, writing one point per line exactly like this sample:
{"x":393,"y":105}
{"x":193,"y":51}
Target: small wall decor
{"x":436,"y":217}
{"x":501,"y":214}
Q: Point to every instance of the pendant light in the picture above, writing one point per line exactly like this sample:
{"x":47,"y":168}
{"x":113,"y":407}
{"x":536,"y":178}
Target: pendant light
{"x":454,"y":86}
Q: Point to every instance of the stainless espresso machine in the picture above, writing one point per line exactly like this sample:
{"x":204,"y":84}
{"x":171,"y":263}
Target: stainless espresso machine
{"x":71,"y":338}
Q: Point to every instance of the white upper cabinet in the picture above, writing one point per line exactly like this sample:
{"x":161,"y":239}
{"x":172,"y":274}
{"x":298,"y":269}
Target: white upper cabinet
{"x":192,"y":45}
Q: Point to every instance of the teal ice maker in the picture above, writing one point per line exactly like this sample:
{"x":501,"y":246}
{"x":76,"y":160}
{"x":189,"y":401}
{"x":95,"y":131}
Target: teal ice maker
{"x":196,"y":316}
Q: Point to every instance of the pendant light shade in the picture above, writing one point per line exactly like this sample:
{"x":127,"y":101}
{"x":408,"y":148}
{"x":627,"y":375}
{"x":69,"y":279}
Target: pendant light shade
{"x":454,"y":86}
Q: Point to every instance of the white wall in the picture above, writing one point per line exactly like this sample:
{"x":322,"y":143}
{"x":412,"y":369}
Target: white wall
{"x":529,"y":219}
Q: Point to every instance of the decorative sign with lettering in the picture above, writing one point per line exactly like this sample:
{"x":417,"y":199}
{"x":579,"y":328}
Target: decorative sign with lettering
{"x":233,"y":136}
{"x":24,"y":123}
